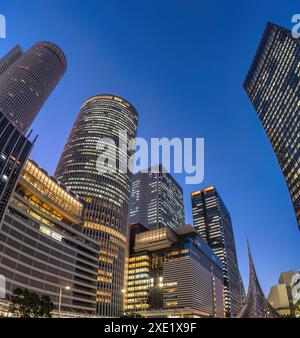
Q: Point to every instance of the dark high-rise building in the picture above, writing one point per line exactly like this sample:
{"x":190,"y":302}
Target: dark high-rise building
{"x":28,"y":81}
{"x":174,"y":273}
{"x":106,"y":194}
{"x":11,"y":57}
{"x":156,"y":200}
{"x":273,"y":86}
{"x":14,"y":149}
{"x":213,"y":222}
{"x":135,"y":229}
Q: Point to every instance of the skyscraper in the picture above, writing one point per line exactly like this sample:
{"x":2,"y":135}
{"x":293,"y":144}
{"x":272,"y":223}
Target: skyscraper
{"x":14,"y":149}
{"x":273,"y":86}
{"x":212,"y":220}
{"x":28,"y":81}
{"x":156,"y":200}
{"x":11,"y":57}
{"x":106,"y":194}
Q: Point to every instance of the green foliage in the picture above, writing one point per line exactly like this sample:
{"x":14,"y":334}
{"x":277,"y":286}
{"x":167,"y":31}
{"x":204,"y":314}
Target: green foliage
{"x":26,"y":304}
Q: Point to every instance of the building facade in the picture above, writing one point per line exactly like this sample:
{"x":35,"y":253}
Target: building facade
{"x":156,"y":200}
{"x":295,"y":290}
{"x":174,"y":273}
{"x":12,"y":56}
{"x":273,"y":86}
{"x":14,"y":149}
{"x":106,"y":194}
{"x":213,"y":222}
{"x":28,"y":81}
{"x":42,"y":247}
{"x":286,"y":279}
{"x":279,"y":299}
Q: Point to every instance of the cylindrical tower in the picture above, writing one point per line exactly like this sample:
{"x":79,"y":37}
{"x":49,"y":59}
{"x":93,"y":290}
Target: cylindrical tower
{"x":106,"y":194}
{"x":27,"y":83}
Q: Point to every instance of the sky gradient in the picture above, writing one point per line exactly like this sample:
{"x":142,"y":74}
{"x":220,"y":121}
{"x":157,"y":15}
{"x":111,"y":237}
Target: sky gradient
{"x":182,"y":65}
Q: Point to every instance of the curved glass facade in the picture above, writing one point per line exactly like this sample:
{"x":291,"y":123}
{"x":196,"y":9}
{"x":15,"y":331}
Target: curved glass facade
{"x":28,"y":82}
{"x":273,"y":87}
{"x":106,"y":194}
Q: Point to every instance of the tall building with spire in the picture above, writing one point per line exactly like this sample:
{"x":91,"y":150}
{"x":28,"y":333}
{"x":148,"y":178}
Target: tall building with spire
{"x":273,"y":86}
{"x":213,"y":222}
{"x":106,"y":214}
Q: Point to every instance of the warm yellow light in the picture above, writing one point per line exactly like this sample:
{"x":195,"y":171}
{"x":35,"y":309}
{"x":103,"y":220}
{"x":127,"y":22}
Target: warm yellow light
{"x":196,"y":193}
{"x":209,"y":189}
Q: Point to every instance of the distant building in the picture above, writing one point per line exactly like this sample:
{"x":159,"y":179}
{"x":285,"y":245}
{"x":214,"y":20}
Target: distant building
{"x":213,"y":222}
{"x":295,"y":289}
{"x":280,"y":295}
{"x":174,"y":273}
{"x":278,"y":298}
{"x":286,"y":278}
{"x":273,"y":86}
{"x":156,"y":199}
{"x":40,"y":246}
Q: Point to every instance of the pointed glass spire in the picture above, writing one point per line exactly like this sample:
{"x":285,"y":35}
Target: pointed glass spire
{"x":256,"y":304}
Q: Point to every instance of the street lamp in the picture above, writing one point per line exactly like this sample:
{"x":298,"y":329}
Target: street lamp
{"x":144,"y":305}
{"x":67,"y":288}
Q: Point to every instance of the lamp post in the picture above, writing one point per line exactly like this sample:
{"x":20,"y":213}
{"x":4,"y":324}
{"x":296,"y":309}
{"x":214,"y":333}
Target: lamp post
{"x":67,"y":288}
{"x":144,"y":305}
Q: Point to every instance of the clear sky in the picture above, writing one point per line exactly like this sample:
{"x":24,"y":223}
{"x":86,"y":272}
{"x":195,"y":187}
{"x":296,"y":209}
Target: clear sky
{"x":182,"y":65}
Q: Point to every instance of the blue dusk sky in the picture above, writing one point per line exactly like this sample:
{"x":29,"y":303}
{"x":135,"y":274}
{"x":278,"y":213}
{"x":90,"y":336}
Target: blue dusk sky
{"x":182,"y":65}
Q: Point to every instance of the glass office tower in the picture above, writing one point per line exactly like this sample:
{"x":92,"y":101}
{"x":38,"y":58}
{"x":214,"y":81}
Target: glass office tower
{"x":212,"y":220}
{"x":273,"y":86}
{"x":156,"y":200}
{"x":106,"y":194}
{"x":28,"y":81}
{"x":11,"y":57}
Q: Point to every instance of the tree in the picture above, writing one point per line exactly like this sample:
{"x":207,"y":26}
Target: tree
{"x":27,"y":304}
{"x":297,"y":309}
{"x":46,"y":306}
